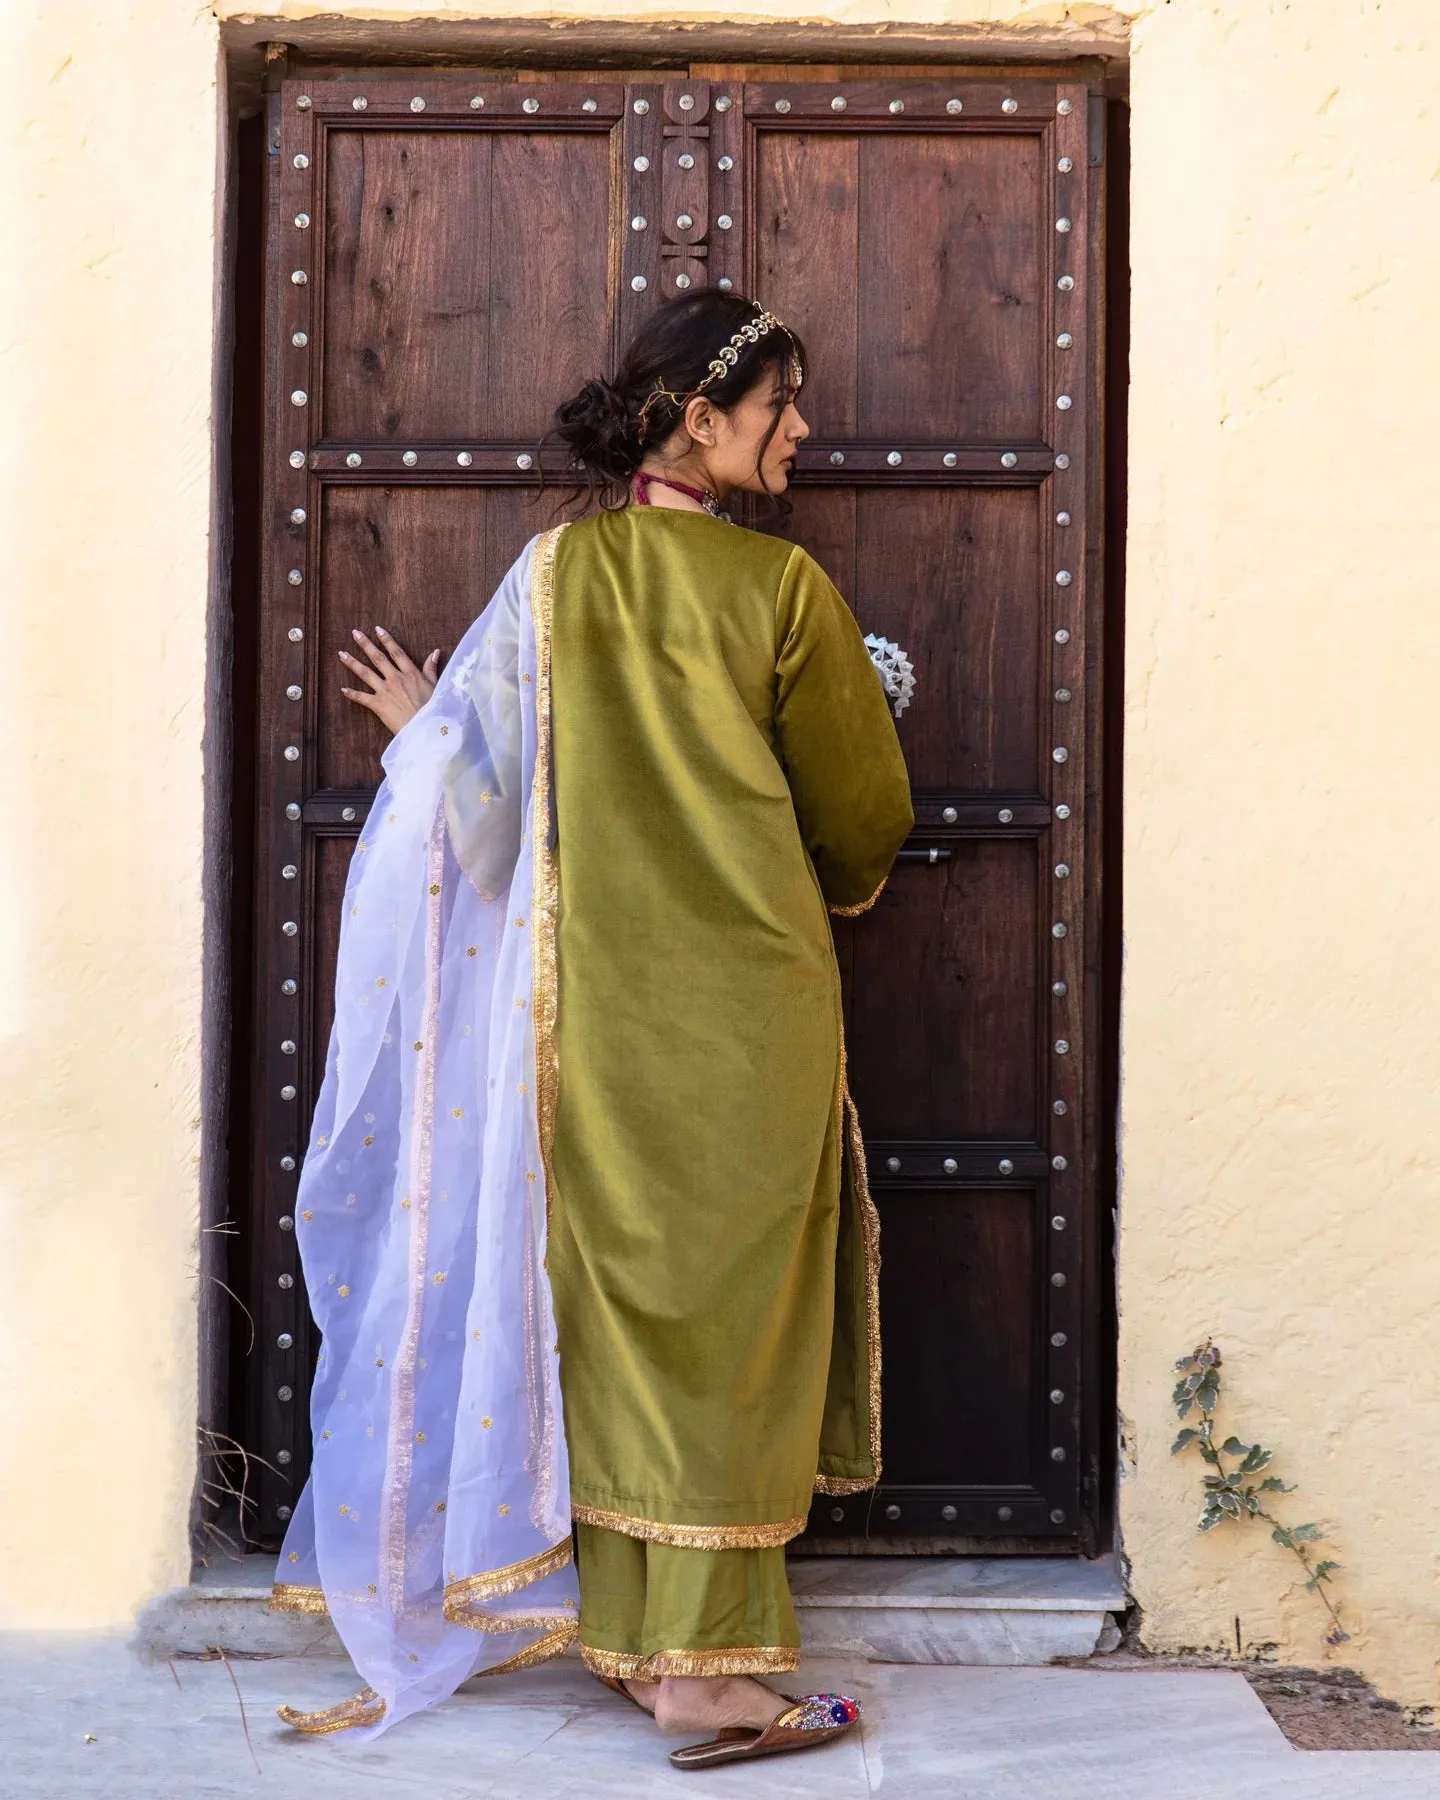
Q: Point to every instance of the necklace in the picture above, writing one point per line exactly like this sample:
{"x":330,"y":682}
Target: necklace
{"x":644,"y":481}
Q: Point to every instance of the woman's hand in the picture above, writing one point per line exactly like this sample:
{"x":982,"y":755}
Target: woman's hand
{"x":397,"y":689}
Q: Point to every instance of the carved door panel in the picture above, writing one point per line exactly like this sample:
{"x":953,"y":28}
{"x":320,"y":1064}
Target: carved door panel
{"x":933,"y":237}
{"x":446,"y":258}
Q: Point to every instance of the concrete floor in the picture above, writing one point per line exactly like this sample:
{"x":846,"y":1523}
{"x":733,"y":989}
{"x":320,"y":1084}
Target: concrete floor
{"x":84,"y":1718}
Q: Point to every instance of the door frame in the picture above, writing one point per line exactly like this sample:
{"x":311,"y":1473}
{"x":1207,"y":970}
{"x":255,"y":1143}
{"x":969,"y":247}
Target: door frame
{"x":228,"y":1345}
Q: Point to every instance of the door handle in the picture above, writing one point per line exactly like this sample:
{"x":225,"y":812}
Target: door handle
{"x":932,"y":855}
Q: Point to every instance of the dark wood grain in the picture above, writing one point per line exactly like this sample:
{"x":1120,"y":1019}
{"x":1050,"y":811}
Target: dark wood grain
{"x":466,"y":272}
{"x":944,"y":235}
{"x":421,"y":561}
{"x":943,"y":995}
{"x":960,"y":1288}
{"x":443,"y":286}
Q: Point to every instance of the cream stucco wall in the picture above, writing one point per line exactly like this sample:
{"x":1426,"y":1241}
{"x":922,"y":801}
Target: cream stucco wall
{"x":108,"y":175}
{"x":1281,"y":1148}
{"x":1282,"y":664}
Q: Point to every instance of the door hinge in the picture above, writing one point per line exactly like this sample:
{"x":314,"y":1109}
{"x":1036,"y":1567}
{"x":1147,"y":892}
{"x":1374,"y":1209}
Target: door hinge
{"x":1097,"y":130}
{"x":277,"y":60}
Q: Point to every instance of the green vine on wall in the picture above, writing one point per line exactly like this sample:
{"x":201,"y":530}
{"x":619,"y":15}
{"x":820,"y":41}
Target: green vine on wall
{"x":1239,"y":1492}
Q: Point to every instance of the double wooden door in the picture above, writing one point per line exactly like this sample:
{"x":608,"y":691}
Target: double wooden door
{"x":448,"y":256}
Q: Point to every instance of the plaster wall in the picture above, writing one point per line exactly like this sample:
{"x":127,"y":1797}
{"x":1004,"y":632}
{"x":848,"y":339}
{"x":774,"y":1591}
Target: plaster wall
{"x":108,"y":202}
{"x":1278,"y":1137}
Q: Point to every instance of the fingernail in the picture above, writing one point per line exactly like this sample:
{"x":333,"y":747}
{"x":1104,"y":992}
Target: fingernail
{"x":380,"y":631}
{"x":357,"y":635}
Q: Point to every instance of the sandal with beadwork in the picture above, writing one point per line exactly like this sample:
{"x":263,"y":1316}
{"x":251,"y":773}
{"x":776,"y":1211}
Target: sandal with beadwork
{"x":810,"y":1721}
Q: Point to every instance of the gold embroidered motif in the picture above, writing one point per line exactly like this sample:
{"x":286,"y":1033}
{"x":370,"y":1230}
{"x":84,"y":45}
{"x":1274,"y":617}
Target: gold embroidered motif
{"x":854,"y":912}
{"x":692,"y":1537}
{"x":496,"y":1583}
{"x":764,"y":1659}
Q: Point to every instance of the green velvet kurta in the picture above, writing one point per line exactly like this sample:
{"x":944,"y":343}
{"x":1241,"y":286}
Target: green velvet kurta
{"x":724,"y":766}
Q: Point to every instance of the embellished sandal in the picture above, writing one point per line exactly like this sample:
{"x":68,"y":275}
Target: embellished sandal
{"x":812,"y":1720}
{"x":364,"y":1708}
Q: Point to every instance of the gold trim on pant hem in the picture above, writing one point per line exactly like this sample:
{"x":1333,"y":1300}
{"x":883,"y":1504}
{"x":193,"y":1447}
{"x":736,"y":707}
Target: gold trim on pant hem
{"x":765,"y":1659}
{"x":692,"y":1537}
{"x":854,"y":912}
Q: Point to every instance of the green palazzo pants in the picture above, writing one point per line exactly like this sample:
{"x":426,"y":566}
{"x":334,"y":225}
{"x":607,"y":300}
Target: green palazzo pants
{"x":648,"y":1610}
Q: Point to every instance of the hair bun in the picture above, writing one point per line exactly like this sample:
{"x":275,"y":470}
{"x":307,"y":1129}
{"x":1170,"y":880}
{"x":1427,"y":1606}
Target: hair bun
{"x":601,"y":430}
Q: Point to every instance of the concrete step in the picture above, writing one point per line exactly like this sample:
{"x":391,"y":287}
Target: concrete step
{"x":1004,"y":1610}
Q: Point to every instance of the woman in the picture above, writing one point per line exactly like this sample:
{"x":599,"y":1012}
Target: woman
{"x":588,"y":1050}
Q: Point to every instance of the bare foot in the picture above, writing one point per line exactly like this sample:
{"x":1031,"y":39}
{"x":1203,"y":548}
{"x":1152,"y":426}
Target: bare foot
{"x":645,"y":1693}
{"x":708,"y":1702}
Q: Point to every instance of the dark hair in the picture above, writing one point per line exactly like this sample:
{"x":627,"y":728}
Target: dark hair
{"x":610,"y":425}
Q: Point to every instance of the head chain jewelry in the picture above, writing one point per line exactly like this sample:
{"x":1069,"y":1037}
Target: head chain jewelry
{"x":729,"y":354}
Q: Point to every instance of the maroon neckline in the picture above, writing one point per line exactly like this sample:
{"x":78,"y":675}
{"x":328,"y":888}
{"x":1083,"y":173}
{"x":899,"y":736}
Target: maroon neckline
{"x":644,"y":481}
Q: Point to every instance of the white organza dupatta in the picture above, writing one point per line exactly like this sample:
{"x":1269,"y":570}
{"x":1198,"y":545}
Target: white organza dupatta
{"x":435,"y":1527}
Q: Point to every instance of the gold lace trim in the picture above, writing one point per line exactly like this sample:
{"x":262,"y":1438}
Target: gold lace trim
{"x":500,"y":1622}
{"x":364,"y":1708}
{"x":495,"y":1583}
{"x":555,"y":1643}
{"x":286,"y":1597}
{"x":692,"y":1537}
{"x":870,"y":1225}
{"x":854,"y":912}
{"x":544,"y":904}
{"x":765,"y":1659}
{"x":461,"y":1597}
{"x":844,"y":1484}
{"x":544,"y":910}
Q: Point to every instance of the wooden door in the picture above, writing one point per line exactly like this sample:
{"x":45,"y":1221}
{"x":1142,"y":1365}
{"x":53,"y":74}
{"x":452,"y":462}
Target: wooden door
{"x":447,"y":257}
